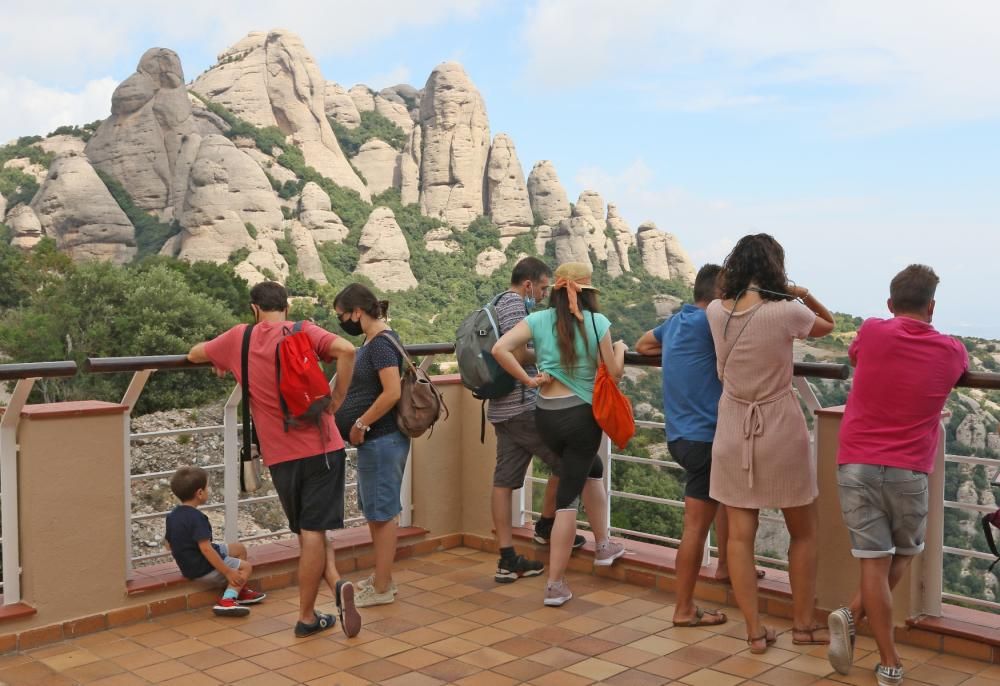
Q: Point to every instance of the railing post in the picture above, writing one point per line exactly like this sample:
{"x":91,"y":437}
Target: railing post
{"x":132,"y":393}
{"x":604,"y":452}
{"x":518,"y":505}
{"x":406,"y":492}
{"x":231,"y":466}
{"x":8,"y":492}
{"x":927,"y":575}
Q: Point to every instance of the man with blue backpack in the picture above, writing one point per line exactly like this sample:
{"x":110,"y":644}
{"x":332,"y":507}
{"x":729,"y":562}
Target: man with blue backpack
{"x":511,"y":410}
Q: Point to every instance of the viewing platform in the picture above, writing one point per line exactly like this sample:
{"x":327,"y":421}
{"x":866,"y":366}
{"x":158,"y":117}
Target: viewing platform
{"x":86,"y":607}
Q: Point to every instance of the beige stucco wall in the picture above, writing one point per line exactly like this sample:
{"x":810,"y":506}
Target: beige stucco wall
{"x":71,"y":483}
{"x":452,"y":470}
{"x":838,"y":571}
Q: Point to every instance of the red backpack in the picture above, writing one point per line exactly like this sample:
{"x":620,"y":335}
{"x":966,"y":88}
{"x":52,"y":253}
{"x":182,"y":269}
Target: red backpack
{"x":303,"y":388}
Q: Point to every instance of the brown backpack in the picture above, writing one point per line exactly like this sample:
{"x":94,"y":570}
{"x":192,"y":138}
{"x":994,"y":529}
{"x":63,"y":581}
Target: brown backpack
{"x":420,"y":403}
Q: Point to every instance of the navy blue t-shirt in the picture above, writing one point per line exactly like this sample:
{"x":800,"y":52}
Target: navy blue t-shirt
{"x":186,"y":526}
{"x":366,"y":385}
{"x":691,"y":386}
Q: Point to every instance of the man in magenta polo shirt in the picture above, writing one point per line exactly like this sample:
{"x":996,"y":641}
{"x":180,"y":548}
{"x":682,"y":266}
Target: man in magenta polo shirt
{"x":904,"y":371}
{"x":306,"y":462}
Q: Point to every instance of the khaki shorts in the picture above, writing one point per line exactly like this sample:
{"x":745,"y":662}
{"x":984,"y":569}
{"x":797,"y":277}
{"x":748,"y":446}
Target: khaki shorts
{"x":884,"y":508}
{"x":518,"y":441}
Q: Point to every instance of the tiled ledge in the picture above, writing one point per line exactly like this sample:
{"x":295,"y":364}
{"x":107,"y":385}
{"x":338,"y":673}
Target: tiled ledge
{"x":353,"y":546}
{"x":9,"y":613}
{"x":263,"y":557}
{"x":959,"y":631}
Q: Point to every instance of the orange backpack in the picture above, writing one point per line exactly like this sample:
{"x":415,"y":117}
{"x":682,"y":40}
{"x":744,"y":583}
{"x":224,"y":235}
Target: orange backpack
{"x":612,"y":410}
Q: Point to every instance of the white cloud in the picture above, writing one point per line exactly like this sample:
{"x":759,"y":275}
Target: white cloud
{"x":48,"y":48}
{"x":905,"y":62}
{"x":31,"y":108}
{"x":844,"y":248}
{"x":55,"y":39}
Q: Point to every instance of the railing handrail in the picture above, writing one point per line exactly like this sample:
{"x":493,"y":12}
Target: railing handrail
{"x":37,"y":370}
{"x":98,"y":365}
{"x":104,"y":365}
{"x":987,"y":380}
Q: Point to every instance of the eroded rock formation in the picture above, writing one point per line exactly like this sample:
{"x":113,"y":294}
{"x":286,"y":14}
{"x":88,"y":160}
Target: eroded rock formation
{"x":149,"y":141}
{"x":270,"y":79}
{"x":547,"y":196}
{"x":456,"y":139}
{"x":506,"y":192}
{"x":385,"y":256}
{"x":76,"y":208}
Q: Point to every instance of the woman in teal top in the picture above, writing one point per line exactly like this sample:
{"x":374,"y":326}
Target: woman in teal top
{"x":566,"y":338}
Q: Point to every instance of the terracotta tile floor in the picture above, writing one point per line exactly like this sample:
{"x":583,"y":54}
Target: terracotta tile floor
{"x":453,"y":624}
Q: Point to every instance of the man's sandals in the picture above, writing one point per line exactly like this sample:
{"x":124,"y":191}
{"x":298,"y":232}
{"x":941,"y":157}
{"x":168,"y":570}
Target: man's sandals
{"x":703,"y":617}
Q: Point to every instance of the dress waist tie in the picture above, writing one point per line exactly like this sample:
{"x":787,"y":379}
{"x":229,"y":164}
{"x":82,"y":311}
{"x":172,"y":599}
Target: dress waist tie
{"x":753,"y":425}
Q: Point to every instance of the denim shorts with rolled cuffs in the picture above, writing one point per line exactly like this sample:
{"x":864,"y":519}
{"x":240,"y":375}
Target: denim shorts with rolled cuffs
{"x":884,"y":508}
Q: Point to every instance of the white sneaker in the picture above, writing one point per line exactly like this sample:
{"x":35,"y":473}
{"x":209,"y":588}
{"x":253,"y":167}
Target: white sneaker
{"x":888,"y":676}
{"x":370,"y":581}
{"x":607,"y":553}
{"x":841,"y":651}
{"x":557,"y":593}
{"x":367,"y":597}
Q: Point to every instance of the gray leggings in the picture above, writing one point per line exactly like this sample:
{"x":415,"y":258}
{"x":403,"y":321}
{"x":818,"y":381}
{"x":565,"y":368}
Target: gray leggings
{"x":573,"y":434}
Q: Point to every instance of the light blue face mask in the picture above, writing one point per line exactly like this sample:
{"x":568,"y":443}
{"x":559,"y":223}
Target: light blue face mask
{"x":529,"y":300}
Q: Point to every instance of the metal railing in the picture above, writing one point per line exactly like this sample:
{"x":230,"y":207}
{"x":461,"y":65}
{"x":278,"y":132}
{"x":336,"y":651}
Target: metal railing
{"x":25,"y":376}
{"x":984,"y":381}
{"x":802,"y":371}
{"x":142,"y":369}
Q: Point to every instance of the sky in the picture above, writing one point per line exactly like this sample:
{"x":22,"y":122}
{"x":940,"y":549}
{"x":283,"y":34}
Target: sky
{"x":864,"y":136}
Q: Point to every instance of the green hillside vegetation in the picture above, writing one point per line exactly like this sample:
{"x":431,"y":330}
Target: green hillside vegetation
{"x":373,"y":125}
{"x":150,"y":232}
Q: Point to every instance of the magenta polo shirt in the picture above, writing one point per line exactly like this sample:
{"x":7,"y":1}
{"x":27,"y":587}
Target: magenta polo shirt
{"x":904,"y":371}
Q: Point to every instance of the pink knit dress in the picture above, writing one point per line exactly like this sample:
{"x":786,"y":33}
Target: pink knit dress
{"x":760,"y":456}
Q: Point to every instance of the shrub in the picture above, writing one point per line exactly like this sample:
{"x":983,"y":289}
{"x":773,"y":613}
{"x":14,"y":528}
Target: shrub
{"x":373,"y":125}
{"x":150,"y":233}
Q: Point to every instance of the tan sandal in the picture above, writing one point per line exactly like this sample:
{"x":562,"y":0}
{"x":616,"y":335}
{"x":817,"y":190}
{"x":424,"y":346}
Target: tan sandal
{"x":703,"y":617}
{"x":811,"y":633}
{"x":768,"y":638}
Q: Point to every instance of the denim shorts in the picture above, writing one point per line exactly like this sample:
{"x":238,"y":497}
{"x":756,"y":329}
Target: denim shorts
{"x":381,"y":462}
{"x":215,"y":577}
{"x":884,"y":508}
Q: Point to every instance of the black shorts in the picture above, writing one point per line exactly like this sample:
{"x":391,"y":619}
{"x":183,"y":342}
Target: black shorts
{"x":696,"y":459}
{"x":311,"y":491}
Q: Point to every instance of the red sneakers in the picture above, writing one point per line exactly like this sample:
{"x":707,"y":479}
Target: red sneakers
{"x":227,"y":607}
{"x":248,"y":596}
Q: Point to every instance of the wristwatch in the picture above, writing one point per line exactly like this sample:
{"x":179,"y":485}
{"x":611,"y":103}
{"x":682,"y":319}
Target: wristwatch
{"x":361,"y":426}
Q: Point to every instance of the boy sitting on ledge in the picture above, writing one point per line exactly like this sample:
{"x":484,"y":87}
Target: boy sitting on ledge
{"x":189,"y":537}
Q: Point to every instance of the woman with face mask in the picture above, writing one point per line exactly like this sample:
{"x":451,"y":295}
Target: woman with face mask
{"x":367,"y":419}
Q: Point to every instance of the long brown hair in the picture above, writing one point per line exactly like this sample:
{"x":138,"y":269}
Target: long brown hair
{"x":757,"y":259}
{"x":567,"y":324}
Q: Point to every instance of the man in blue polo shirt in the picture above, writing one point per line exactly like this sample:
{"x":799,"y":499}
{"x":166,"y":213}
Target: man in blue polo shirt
{"x":691,"y":391}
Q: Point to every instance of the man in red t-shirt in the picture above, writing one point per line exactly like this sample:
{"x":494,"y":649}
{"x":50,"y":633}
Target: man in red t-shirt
{"x":306,"y":461}
{"x":904,"y":371}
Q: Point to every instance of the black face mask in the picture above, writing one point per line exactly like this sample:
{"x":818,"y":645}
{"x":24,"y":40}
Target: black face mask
{"x":351,"y":328}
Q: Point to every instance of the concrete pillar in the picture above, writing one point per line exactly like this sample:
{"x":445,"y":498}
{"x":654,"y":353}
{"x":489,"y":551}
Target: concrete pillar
{"x":71,"y":480}
{"x":839,"y":572}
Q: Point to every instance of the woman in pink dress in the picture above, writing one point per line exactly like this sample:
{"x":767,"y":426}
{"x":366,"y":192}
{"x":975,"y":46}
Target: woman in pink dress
{"x":761,"y":456}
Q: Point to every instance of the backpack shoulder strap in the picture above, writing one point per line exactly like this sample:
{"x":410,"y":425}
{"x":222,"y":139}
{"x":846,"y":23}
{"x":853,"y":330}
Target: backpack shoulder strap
{"x":593,"y":323}
{"x":245,"y":454}
{"x":401,"y":349}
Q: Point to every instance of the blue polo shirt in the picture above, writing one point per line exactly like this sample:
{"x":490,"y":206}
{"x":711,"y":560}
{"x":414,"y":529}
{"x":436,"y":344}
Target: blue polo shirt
{"x":691,"y":386}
